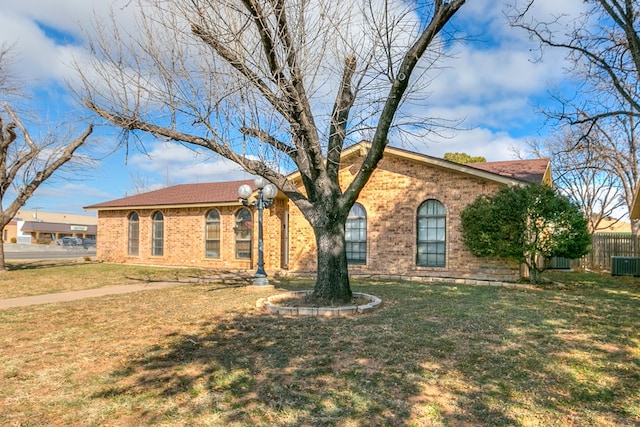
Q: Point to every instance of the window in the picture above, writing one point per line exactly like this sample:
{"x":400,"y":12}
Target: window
{"x":133,"y":234}
{"x":431,"y":234}
{"x":355,"y":235}
{"x":157,"y":234}
{"x":243,"y":234}
{"x":212,"y":234}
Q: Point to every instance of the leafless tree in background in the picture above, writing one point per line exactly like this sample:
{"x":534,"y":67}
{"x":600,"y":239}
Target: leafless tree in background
{"x":603,"y":47}
{"x":583,"y":177}
{"x":275,"y":86}
{"x":28,"y":156}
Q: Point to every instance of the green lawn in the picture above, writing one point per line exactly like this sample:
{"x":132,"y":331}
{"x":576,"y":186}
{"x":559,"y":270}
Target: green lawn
{"x":433,"y":355}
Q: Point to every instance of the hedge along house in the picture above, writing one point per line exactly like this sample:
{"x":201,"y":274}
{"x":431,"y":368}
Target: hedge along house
{"x":405,"y":222}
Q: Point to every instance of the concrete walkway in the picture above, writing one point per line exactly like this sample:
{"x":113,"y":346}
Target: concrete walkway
{"x":87,"y":293}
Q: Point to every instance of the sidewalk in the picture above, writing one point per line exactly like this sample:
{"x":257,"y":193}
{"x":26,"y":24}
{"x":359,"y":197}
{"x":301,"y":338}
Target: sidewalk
{"x":88,"y":293}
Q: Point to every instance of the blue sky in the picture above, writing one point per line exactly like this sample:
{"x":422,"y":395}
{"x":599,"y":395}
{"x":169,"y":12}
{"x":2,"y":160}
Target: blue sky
{"x":494,"y":83}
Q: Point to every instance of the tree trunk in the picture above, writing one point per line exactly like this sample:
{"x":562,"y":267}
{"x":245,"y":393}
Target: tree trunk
{"x":3,"y":265}
{"x":534,"y":276}
{"x":332,"y":283}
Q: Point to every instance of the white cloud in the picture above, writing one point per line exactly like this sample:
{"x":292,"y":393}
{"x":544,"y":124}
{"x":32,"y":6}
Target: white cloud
{"x":67,"y":197}
{"x":43,"y":58}
{"x":176,"y":163}
{"x":69,"y":188}
{"x":492,"y":82}
{"x":494,"y":146}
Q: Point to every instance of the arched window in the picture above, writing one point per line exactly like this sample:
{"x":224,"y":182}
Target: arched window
{"x":244,"y":224}
{"x":133,"y":245}
{"x":212,"y":234}
{"x":355,"y":235}
{"x":157,"y":234}
{"x":432,"y":234}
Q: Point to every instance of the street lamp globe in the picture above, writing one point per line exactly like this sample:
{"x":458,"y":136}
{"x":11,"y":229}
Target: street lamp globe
{"x":260,"y":182}
{"x":244,"y":191}
{"x":269,"y":191}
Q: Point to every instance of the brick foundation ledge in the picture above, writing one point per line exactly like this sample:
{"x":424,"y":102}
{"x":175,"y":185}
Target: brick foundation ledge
{"x":270,"y":304}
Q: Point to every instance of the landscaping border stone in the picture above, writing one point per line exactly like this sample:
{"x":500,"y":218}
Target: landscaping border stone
{"x":271,"y":305}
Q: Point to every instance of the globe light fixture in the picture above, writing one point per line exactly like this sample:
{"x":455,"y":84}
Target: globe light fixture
{"x":266,"y":193}
{"x":245,"y":191}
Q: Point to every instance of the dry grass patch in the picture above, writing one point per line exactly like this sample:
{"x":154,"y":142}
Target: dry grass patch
{"x":433,"y":355}
{"x":43,"y":277}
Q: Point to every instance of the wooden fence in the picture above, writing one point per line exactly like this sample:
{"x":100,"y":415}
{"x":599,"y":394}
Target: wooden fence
{"x":606,"y":245}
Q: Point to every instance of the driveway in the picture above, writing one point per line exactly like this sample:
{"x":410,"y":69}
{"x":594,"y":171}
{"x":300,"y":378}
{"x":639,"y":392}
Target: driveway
{"x":22,"y":251}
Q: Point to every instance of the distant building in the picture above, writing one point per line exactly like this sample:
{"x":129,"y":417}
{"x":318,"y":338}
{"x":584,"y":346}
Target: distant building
{"x":36,"y":226}
{"x":611,"y":225}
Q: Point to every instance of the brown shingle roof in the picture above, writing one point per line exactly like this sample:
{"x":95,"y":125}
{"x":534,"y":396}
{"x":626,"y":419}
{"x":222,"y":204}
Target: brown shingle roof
{"x":536,"y":171}
{"x":533,"y":171}
{"x":183,"y":194}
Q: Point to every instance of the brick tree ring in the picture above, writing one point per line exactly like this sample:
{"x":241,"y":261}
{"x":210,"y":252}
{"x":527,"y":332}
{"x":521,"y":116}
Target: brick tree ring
{"x":273,"y":305}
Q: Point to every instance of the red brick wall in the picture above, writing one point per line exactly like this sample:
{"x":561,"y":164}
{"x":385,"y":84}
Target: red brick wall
{"x":184,"y":237}
{"x":391,"y":200}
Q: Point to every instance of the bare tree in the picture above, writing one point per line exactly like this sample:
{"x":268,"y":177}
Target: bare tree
{"x":603,"y":49}
{"x":616,"y":145}
{"x":583,"y":177}
{"x":273,"y":85}
{"x":26,"y":161}
{"x":8,"y":82}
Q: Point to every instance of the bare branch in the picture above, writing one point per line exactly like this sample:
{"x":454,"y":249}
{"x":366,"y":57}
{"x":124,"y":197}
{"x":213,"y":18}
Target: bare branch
{"x":271,"y":140}
{"x":603,"y":46}
{"x":441,"y":15}
{"x":340,"y":116}
{"x":239,"y":65}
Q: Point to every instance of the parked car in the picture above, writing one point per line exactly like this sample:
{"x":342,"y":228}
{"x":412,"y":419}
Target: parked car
{"x":70,"y":241}
{"x":88,"y":242}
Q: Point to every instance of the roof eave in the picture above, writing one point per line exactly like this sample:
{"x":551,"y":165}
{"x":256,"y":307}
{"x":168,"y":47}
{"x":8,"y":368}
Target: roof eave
{"x":458,"y":167}
{"x":161,"y":206}
{"x":361,"y":147}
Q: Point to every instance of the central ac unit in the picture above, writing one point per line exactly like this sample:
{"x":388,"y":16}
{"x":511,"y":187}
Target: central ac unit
{"x":625,"y":266}
{"x":559,"y":263}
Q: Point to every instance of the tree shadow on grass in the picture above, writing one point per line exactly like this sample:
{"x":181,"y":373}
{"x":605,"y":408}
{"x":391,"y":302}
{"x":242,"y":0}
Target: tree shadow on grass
{"x":220,"y":279}
{"x":433,"y":355}
{"x":40,"y":264}
{"x":260,"y":369}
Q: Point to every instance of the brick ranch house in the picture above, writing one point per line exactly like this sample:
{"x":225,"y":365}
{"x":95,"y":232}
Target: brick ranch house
{"x":405,"y":222}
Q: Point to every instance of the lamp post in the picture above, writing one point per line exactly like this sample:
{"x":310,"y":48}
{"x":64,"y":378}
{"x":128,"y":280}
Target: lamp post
{"x":266,"y":193}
